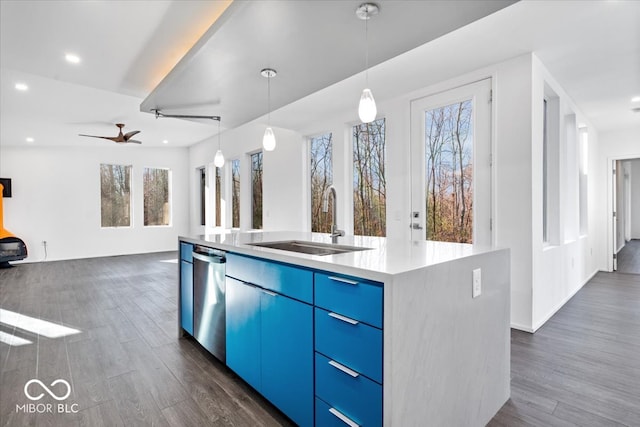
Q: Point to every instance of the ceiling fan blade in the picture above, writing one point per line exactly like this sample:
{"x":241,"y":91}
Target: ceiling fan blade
{"x":132,"y":141}
{"x":130,"y":134}
{"x":96,"y":136}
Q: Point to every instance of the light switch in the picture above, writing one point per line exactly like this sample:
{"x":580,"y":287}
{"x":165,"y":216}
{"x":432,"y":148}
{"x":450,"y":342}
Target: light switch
{"x":477,"y":283}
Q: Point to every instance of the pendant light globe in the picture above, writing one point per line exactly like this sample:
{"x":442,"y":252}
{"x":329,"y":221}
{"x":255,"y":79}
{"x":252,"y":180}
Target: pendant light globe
{"x":269,"y":140}
{"x":218,"y":160}
{"x":367,"y":109}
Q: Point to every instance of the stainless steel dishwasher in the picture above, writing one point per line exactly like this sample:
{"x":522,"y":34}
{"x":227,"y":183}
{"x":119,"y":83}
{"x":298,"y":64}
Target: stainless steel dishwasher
{"x":209,"y":300}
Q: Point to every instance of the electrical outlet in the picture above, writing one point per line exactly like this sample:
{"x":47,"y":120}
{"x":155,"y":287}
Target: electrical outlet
{"x":477,"y":283}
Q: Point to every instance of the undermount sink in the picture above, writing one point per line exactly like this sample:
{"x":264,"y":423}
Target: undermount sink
{"x":312,"y":248}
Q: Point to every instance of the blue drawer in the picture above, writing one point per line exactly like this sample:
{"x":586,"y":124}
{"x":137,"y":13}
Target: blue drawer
{"x":186,"y":252}
{"x":352,"y":297}
{"x":325,"y":417}
{"x":357,"y":346}
{"x":290,"y":281}
{"x":357,"y":397}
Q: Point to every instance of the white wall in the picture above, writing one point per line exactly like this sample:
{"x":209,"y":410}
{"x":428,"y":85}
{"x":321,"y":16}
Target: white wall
{"x":56,"y":197}
{"x":635,"y":199}
{"x":283,"y":176}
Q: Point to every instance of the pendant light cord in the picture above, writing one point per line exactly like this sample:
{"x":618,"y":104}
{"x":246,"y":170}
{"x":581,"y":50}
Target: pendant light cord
{"x":269,"y":101}
{"x":219,"y":149}
{"x":366,"y":50}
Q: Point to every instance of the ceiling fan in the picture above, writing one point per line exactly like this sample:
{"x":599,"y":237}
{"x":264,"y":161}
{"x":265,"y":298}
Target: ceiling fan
{"x":121,"y":138}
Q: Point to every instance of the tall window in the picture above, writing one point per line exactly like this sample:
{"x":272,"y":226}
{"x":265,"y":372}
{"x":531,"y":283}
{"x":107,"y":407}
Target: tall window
{"x":545,"y":172}
{"x":551,"y":167}
{"x":321,"y":179}
{"x":157,"y":209}
{"x":583,"y":179}
{"x":449,"y":172}
{"x":369,"y":182}
{"x":218,"y":197}
{"x":115,"y":195}
{"x":202,"y":176}
{"x":256,"y":190}
{"x":235,"y":193}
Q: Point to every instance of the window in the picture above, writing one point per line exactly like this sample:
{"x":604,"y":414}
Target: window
{"x":369,"y":185}
{"x":218,"y":197}
{"x":235,"y":193}
{"x":256,"y":190}
{"x":321,"y":179}
{"x":449,"y":172}
{"x":202,"y":177}
{"x":115,"y":195}
{"x":583,"y":179}
{"x":157,"y":209}
{"x":550,"y":167}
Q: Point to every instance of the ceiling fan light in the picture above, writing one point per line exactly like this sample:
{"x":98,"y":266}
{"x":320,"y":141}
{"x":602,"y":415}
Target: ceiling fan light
{"x":367,"y":109}
{"x":269,"y":140}
{"x":219,"y":159}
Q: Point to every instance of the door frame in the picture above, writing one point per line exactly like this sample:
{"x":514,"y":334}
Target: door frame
{"x":610,"y":206}
{"x":417,"y":165}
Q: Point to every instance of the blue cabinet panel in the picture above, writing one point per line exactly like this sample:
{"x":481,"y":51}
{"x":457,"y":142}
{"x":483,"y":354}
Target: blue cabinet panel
{"x":357,"y":397}
{"x":186,"y":251}
{"x":291,"y":281}
{"x":324,"y":417}
{"x":352,"y":297}
{"x":186,"y":296}
{"x":287,"y":356}
{"x":243,"y":331}
{"x":358,"y":346}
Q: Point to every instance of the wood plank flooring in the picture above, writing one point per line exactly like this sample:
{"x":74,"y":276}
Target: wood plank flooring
{"x":127,"y":367}
{"x":629,"y":257}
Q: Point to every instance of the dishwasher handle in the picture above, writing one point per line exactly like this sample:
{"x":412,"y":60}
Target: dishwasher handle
{"x":209,"y":255}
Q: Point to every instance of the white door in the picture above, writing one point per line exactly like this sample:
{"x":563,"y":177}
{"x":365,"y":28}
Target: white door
{"x":451,"y":165}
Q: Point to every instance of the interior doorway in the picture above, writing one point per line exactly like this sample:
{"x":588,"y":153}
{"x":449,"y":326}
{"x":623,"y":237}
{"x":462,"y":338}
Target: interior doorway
{"x":625,"y":221}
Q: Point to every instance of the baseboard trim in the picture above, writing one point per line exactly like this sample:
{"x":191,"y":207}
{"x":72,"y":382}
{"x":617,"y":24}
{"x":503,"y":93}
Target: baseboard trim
{"x":549,"y":315}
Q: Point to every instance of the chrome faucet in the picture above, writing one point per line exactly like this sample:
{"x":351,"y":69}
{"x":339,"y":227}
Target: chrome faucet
{"x":335,"y":233}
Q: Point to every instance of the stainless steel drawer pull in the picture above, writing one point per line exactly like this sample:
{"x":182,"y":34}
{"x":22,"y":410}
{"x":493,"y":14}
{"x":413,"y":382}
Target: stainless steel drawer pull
{"x":340,"y":279}
{"x":343,"y":318}
{"x":342,"y":417}
{"x":273,"y":294}
{"x":344,"y":369}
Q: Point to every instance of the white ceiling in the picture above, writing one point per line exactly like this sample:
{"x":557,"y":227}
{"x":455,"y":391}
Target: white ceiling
{"x":127,"y":47}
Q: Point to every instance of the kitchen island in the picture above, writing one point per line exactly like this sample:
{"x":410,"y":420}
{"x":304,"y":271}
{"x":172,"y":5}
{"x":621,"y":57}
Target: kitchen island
{"x":390,"y":335}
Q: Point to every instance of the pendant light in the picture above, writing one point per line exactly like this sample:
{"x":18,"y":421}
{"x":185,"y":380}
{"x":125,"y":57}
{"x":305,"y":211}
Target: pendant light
{"x":219,"y":158}
{"x":269,"y":139}
{"x":367,"y":109}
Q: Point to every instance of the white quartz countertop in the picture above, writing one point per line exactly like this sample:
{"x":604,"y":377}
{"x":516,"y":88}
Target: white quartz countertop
{"x":384,"y":259}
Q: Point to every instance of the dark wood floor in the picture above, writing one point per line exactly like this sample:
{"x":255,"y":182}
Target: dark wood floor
{"x":629,"y":257}
{"x":127,"y":367}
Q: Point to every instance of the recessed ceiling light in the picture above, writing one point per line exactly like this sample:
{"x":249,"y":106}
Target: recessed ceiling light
{"x":22,"y":87}
{"x":29,"y":139}
{"x":165,"y":141}
{"x":635,"y":99}
{"x":72,"y":58}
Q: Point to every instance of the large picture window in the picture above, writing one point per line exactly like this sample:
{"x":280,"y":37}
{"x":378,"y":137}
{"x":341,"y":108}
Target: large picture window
{"x":369,"y":181}
{"x":115,"y":195}
{"x":321,"y":179}
{"x":256,"y":190}
{"x":157,"y":208}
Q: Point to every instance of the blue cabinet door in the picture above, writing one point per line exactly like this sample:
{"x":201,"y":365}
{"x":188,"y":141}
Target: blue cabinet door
{"x":243,"y":330}
{"x":287,"y":356}
{"x":186,"y":296}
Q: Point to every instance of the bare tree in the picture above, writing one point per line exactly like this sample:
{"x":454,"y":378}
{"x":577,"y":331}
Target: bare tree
{"x":321,"y":179}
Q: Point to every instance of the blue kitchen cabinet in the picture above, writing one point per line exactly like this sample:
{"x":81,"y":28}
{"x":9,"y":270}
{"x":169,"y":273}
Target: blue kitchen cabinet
{"x":287,"y":356}
{"x":186,"y":296}
{"x":243,"y":331}
{"x":186,"y":288}
{"x":270,"y":335}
